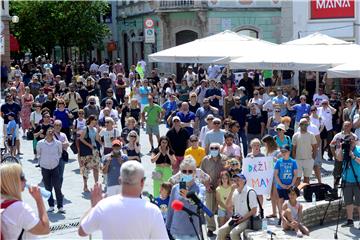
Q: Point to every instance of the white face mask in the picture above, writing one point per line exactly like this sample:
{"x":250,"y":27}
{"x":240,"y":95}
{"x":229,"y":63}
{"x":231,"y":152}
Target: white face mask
{"x":214,"y":153}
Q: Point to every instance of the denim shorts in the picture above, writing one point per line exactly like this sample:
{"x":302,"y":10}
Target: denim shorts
{"x":283,"y":194}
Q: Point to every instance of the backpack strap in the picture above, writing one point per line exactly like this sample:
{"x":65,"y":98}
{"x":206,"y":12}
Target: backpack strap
{"x":257,"y":198}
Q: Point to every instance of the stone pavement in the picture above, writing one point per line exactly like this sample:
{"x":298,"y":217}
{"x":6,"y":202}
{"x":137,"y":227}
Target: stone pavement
{"x":76,"y":202}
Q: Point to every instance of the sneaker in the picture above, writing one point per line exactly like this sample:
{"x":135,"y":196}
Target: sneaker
{"x":51,"y":209}
{"x":37,"y":165}
{"x":61,"y":210}
{"x":299,"y":234}
{"x":349,"y":223}
{"x":210,"y":233}
{"x":279,"y":222}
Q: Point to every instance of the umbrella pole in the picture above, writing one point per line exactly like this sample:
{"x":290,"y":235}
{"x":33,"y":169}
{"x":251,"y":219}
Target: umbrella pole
{"x":317,"y":82}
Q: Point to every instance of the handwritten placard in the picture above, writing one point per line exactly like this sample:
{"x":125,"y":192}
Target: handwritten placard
{"x":259,"y":173}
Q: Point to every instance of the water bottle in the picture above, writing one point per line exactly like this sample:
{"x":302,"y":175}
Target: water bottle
{"x":313,"y":197}
{"x":44,"y":193}
{"x":264,"y":224}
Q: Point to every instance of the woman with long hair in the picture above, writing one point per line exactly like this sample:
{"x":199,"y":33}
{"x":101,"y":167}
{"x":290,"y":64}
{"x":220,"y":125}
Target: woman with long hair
{"x":89,"y":157}
{"x":272,"y":150}
{"x":27,"y":101}
{"x":222,"y":193}
{"x":163,"y":156}
{"x":273,"y":121}
{"x":18,"y":220}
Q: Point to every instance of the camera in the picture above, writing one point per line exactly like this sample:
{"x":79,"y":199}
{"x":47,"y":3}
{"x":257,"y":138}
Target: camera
{"x":345,"y":145}
{"x":234,"y":219}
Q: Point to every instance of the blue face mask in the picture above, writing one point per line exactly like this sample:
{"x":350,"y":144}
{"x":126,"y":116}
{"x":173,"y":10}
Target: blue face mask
{"x":186,"y":178}
{"x":214,"y":153}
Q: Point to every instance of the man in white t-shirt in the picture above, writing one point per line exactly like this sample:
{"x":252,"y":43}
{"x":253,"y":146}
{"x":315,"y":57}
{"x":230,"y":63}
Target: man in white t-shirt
{"x":319,"y":97}
{"x":238,"y":199}
{"x":118,"y":217}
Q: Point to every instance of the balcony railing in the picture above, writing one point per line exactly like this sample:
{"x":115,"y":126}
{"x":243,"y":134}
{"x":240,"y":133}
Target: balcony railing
{"x":180,"y":4}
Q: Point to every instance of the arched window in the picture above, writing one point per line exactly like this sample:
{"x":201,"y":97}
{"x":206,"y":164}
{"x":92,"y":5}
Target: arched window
{"x":249,"y":32}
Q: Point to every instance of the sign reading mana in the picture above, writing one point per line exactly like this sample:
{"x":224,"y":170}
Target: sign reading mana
{"x":327,"y":9}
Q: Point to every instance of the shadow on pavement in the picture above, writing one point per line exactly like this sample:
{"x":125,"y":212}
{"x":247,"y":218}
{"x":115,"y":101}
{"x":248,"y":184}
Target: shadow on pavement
{"x":66,"y":201}
{"x":55,"y":217}
{"x":86,"y":195}
{"x":76,"y":171}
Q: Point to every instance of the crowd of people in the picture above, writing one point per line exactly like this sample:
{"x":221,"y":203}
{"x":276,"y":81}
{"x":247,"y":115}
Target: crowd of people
{"x":213,"y":123}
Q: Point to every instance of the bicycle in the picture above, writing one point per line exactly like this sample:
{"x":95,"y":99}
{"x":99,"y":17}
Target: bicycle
{"x":6,"y":157}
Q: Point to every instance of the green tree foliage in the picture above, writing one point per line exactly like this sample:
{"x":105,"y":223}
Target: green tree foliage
{"x":44,"y":24}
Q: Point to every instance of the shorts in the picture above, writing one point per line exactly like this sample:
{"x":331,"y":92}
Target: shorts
{"x":351,"y":194}
{"x":268,"y":82}
{"x":221,"y":213}
{"x":88,"y":163}
{"x":11,"y":142}
{"x":286,"y":81}
{"x":152,"y":129}
{"x":16,"y":130}
{"x":283,"y":194}
{"x":305,"y":167}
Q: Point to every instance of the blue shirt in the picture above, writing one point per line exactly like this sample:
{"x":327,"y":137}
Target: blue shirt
{"x":286,"y":170}
{"x":63,"y":117}
{"x":144,"y":90}
{"x":300,"y":110}
{"x":169,"y":106}
{"x":281,"y":100}
{"x":213,"y":92}
{"x":163,"y":204}
{"x":178,"y":221}
{"x":348,"y":174}
{"x":190,"y":116}
{"x":10,"y":127}
{"x":113,"y":173}
{"x":287,"y":141}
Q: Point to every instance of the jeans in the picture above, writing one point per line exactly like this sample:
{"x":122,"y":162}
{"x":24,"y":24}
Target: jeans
{"x":243,"y":137}
{"x":52,"y":180}
{"x":61,"y":171}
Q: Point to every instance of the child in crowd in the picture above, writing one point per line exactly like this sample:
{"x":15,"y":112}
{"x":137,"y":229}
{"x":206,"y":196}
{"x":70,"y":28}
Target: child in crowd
{"x":292,"y":213}
{"x":285,"y":173}
{"x":11,"y":133}
{"x":163,"y":200}
{"x":222,"y":193}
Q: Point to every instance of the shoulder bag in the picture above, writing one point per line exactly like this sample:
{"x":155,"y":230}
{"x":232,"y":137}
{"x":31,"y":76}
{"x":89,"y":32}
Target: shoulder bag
{"x":255,"y":221}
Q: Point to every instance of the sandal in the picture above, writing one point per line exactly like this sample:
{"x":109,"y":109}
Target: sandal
{"x":271,"y":216}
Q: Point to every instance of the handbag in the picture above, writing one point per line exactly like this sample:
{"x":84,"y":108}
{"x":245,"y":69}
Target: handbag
{"x":64,"y":154}
{"x":86,"y":150}
{"x":30,"y":134}
{"x":74,"y":148}
{"x":255,"y":221}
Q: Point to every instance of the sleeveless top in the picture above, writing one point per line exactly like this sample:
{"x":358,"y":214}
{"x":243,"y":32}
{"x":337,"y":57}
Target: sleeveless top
{"x":294,"y":210}
{"x":273,"y":124}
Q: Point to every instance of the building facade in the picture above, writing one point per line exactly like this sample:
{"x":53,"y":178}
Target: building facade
{"x":176,"y":22}
{"x":5,"y":33}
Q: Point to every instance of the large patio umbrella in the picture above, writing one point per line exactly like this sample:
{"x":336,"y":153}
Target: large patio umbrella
{"x":346,"y":70}
{"x":316,"y":52}
{"x":219,"y":48}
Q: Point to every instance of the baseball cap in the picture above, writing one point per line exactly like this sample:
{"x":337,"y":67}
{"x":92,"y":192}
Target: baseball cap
{"x":285,"y":148}
{"x":176,"y":118}
{"x":209,"y":117}
{"x":240,"y":175}
{"x":281,"y":126}
{"x":116,"y":142}
{"x":216,"y":120}
{"x":303,"y":120}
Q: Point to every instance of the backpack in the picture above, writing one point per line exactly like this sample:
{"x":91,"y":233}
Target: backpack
{"x":5,"y":205}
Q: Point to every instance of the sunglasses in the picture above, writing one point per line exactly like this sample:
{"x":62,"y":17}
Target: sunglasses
{"x":279,"y":130}
{"x":193,"y":140}
{"x":22,"y":177}
{"x":277,"y":111}
{"x":107,"y":122}
{"x":80,"y":113}
{"x":132,"y":136}
{"x":187,"y":171}
{"x":313,"y":110}
{"x":234,"y":164}
{"x":214,"y":148}
{"x":109,"y":92}
{"x":108,"y":103}
{"x":57,"y":125}
{"x":176,"y":120}
{"x":46,"y":116}
{"x":216,"y":123}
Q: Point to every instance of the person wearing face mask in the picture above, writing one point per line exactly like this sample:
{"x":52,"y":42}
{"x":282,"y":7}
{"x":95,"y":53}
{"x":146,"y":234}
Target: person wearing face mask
{"x":212,"y":164}
{"x":111,"y":167}
{"x":216,"y":135}
{"x":91,"y":108}
{"x":177,"y":222}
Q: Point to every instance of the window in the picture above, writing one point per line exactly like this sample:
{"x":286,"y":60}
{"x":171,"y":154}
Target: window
{"x":249,"y":32}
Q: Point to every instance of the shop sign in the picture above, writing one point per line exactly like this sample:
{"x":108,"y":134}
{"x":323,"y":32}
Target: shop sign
{"x":328,"y":9}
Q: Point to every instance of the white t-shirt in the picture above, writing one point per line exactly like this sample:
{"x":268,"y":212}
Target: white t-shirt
{"x":326,"y":116}
{"x":16,"y":217}
{"x":357,"y":130}
{"x":107,"y":135}
{"x":113,"y":114}
{"x":119,"y":217}
{"x":36,"y":117}
{"x":316,"y":121}
{"x":317,"y":99}
{"x":269,"y":107}
{"x":240,"y":201}
{"x":80,"y":125}
{"x":311,"y":129}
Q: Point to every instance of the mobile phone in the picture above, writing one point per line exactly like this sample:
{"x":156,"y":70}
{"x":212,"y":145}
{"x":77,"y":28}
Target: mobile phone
{"x":182,"y":185}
